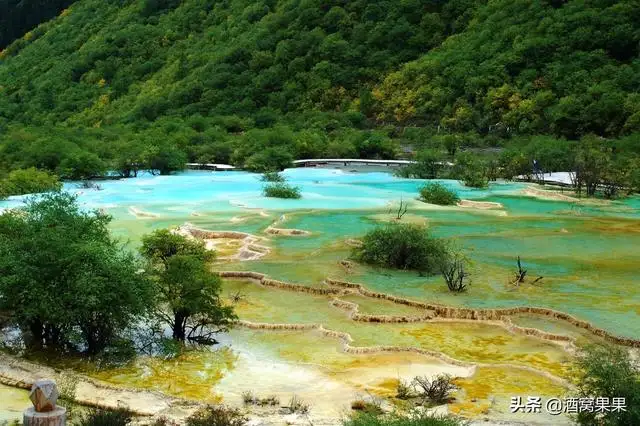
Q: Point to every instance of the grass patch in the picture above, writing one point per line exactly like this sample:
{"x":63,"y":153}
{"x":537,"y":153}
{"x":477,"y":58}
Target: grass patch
{"x":249,"y":398}
{"x":366,"y":407}
{"x":119,"y":417}
{"x":163,"y":421}
{"x":395,"y":419}
{"x":216,"y":416}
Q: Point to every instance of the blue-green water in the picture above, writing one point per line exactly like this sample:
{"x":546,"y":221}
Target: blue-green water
{"x":234,"y":191}
{"x":587,"y":252}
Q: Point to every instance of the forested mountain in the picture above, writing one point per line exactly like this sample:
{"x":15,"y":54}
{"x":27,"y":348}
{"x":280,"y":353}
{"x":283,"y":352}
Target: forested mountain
{"x":17,"y":17}
{"x":527,"y":67}
{"x":115,"y":83}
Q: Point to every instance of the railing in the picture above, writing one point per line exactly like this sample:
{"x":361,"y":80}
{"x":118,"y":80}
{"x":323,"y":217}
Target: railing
{"x":350,"y":161}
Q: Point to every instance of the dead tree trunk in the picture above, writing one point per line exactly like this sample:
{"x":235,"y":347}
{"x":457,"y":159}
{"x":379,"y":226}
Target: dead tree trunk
{"x":401,"y":212}
{"x":521,"y":274}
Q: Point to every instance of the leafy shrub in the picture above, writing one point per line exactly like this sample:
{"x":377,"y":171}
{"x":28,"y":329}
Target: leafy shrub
{"x":434,"y":390}
{"x":608,"y":371}
{"x":395,"y":419}
{"x":427,"y":166}
{"x":81,"y":165}
{"x":119,"y":417}
{"x":272,"y":177}
{"x":28,"y":181}
{"x":471,"y":171}
{"x":269,"y":159}
{"x":281,"y":190}
{"x":216,"y":416}
{"x":475,"y":180}
{"x":437,"y":193}
{"x":402,"y":246}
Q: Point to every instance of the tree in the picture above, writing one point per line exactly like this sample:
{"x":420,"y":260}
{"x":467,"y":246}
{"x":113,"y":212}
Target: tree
{"x":62,"y":273}
{"x":452,"y":143}
{"x":17,"y":17}
{"x":192,"y":293}
{"x":590,"y":164}
{"x":129,"y":159}
{"x":160,"y":245}
{"x":605,"y":371}
{"x":374,"y":145}
{"x":269,"y":160}
{"x":165,"y":159}
{"x":185,"y":286}
{"x":82,"y":165}
{"x":427,"y":166}
{"x":471,"y":171}
{"x":454,"y":271}
{"x":28,"y":181}
{"x":513,"y":162}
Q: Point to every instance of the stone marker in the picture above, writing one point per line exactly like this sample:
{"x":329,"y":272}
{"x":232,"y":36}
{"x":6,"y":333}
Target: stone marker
{"x":44,"y":412}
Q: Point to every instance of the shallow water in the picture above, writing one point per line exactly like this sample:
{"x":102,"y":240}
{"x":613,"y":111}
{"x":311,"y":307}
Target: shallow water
{"x":587,"y":253}
{"x":12,"y":403}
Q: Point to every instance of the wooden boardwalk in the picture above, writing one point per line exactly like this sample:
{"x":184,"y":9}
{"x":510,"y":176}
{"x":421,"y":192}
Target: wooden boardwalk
{"x":555,"y":178}
{"x":313,"y":162}
{"x":209,"y":166}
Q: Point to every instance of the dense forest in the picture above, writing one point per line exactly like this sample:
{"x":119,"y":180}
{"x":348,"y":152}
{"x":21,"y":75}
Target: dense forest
{"x":17,"y":17}
{"x":128,"y":84}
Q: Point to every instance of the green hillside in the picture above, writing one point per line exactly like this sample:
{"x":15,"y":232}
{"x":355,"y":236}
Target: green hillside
{"x":113,"y":84}
{"x":524,"y":67}
{"x":17,"y":17}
